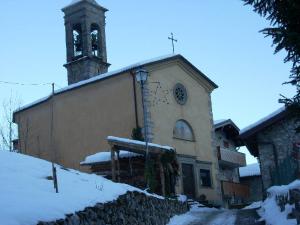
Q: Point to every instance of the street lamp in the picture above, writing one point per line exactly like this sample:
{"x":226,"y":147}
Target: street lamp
{"x":141,"y":76}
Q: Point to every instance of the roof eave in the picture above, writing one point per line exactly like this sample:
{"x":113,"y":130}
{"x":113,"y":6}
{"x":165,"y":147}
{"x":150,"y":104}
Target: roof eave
{"x":263,"y":125}
{"x":225,"y":123}
{"x":213,"y":84}
{"x":121,"y":71}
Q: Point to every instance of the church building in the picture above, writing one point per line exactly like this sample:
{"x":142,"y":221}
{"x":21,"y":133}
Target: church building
{"x":75,"y":121}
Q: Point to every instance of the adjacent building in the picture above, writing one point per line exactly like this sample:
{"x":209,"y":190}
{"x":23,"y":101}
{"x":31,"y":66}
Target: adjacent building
{"x":275,"y":142}
{"x":229,"y":161}
{"x":251,"y":177}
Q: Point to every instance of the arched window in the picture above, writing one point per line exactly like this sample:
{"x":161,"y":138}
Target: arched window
{"x":95,"y":39}
{"x":77,"y":40}
{"x":183,"y":130}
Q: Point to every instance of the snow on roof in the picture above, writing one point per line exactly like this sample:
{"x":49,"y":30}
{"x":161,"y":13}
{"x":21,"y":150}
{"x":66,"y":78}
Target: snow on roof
{"x":216,"y":122}
{"x":115,"y":72}
{"x":77,"y":1}
{"x":73,"y":3}
{"x":106,"y":156}
{"x":33,"y":103}
{"x":98,"y":78}
{"x":265,"y":119}
{"x":26,"y":189}
{"x":165,"y":147}
{"x":250,"y":170}
{"x":224,"y":122}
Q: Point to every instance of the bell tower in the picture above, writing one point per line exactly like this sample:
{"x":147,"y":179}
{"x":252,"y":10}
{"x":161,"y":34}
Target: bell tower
{"x":85,"y":40}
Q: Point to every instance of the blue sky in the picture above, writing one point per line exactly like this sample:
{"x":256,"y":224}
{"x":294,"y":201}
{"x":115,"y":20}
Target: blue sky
{"x":219,"y":37}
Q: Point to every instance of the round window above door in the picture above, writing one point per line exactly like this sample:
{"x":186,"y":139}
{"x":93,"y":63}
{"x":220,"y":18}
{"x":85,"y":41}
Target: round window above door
{"x":180,"y":94}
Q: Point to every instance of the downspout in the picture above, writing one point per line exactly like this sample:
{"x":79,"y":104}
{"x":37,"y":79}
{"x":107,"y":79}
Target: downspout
{"x":135,"y":99}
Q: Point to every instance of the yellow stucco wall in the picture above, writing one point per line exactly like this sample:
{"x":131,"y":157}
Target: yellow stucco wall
{"x":195,"y":112}
{"x":83,"y":118}
{"x":165,"y":111}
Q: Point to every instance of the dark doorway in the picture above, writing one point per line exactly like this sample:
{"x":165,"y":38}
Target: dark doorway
{"x":188,"y":180}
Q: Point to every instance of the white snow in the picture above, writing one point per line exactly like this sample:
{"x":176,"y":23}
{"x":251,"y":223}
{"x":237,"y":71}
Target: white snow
{"x":106,"y":156}
{"x":283,"y":189}
{"x":27,"y":196}
{"x":184,"y":219}
{"x":250,"y":170}
{"x":204,"y":215}
{"x":98,"y":78}
{"x":254,"y":205}
{"x":224,"y":122}
{"x":182,"y":198}
{"x":142,"y":143}
{"x":216,"y":122}
{"x":246,"y":129}
{"x":73,"y":2}
{"x":112,"y":73}
{"x":33,"y":103}
{"x":270,"y":212}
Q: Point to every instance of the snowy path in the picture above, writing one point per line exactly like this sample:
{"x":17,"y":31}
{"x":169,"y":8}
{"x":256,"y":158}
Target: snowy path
{"x":205,"y":216}
{"x":221,"y":217}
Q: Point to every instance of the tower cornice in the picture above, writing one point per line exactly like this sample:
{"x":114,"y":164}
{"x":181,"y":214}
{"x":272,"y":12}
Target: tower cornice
{"x":90,"y":2}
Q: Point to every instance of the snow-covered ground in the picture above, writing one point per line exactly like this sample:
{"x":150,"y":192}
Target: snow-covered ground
{"x":254,"y":205}
{"x":270,"y":211}
{"x":205,"y":216}
{"x":27,"y":196}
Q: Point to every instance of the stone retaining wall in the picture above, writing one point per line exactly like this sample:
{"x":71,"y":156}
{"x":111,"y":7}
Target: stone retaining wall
{"x":133,"y":208}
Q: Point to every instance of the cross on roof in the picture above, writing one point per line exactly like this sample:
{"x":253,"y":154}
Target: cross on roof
{"x":173,"y":40}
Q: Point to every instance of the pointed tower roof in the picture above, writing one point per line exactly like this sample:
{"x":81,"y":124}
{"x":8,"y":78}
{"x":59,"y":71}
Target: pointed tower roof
{"x":75,"y":2}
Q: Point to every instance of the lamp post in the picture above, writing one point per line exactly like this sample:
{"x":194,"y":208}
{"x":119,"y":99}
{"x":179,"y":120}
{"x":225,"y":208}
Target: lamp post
{"x":141,"y":76}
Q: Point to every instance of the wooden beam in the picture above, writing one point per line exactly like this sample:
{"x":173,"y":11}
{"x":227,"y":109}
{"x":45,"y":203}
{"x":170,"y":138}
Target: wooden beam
{"x":113,"y":164}
{"x":136,"y":148}
{"x":162,"y":177}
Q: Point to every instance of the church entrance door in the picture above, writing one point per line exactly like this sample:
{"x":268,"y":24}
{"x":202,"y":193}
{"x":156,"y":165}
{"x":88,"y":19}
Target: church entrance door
{"x":188,"y":180}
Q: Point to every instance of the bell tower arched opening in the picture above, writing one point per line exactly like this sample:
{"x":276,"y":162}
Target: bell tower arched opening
{"x":95,"y":37}
{"x":77,"y":40}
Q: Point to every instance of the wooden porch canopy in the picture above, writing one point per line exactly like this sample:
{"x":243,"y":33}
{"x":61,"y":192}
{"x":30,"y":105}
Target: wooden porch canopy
{"x":138,"y":147}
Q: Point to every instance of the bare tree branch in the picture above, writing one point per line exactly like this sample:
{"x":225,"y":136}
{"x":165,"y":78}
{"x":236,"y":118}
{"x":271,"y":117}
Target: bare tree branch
{"x":8,"y":131}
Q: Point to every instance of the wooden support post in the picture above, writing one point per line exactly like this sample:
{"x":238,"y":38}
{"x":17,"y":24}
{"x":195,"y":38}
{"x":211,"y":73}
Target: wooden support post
{"x":162,"y":177}
{"x":113,"y":164}
{"x":54,"y":178}
{"x":118,"y":166}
